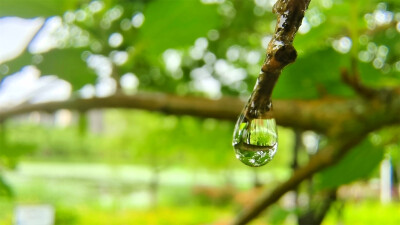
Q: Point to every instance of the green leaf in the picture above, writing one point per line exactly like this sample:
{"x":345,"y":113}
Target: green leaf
{"x":172,"y":24}
{"x":5,"y":189}
{"x":16,"y":150}
{"x":373,"y":77}
{"x":10,"y":153}
{"x":68,"y":65}
{"x":35,"y":8}
{"x":357,"y":164}
{"x":16,"y":64}
{"x":314,"y":75}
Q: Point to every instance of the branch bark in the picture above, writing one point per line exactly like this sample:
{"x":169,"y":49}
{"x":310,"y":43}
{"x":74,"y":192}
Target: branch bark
{"x":280,"y":53}
{"x":354,"y":82}
{"x":328,"y":116}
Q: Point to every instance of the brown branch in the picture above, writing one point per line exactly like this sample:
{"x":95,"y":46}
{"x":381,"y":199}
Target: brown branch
{"x":327,"y":116}
{"x":326,"y":157}
{"x":320,"y":115}
{"x":169,"y":104}
{"x":280,"y":53}
{"x":354,"y":82}
{"x":315,"y":115}
{"x":353,"y":79}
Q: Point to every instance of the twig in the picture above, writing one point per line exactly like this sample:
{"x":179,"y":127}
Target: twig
{"x":280,"y":53}
{"x":354,"y":82}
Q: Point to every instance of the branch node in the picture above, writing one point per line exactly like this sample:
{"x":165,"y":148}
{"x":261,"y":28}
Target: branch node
{"x":286,"y":54}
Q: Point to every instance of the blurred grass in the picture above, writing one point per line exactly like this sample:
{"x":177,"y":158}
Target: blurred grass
{"x":121,"y":193}
{"x":365,"y":212}
{"x":168,"y":215}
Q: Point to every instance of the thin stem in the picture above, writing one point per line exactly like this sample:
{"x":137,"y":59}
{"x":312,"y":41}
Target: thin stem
{"x":279,"y":54}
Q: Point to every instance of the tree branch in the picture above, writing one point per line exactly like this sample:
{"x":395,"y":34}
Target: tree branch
{"x":353,"y":79}
{"x":354,"y":82}
{"x":280,"y":53}
{"x":322,"y":115}
{"x":225,"y":108}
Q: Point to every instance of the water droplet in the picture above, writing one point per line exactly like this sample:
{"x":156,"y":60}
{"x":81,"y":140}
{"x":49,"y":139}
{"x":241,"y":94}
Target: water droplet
{"x":255,"y":141}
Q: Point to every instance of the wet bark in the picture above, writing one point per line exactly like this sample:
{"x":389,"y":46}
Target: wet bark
{"x":279,"y":54}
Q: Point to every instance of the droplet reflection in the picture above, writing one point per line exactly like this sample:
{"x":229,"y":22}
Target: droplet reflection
{"x":255,"y":141}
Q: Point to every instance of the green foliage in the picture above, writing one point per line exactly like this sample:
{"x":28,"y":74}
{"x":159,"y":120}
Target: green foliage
{"x":359,"y":163}
{"x":175,"y":24}
{"x":5,"y":189}
{"x":66,"y":216}
{"x":68,"y":65}
{"x":33,"y":8}
{"x":15,"y":65}
{"x":234,"y":24}
{"x":278,"y":215}
{"x":233,"y":33}
{"x":160,"y":140}
{"x":11,"y":152}
{"x":199,"y":215}
{"x":52,"y":143}
{"x":302,"y":81}
{"x":369,"y":212}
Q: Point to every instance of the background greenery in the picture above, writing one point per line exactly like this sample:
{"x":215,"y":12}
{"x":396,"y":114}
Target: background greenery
{"x":149,"y":168}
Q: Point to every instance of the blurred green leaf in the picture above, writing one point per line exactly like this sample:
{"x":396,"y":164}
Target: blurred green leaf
{"x":5,"y":189}
{"x":314,"y":75}
{"x":68,"y":65}
{"x":358,"y":163}
{"x":16,"y":64}
{"x":175,"y":24}
{"x":30,"y":8}
{"x":16,"y":150}
{"x":35,"y":8}
{"x":10,"y":153}
{"x":375,"y":78}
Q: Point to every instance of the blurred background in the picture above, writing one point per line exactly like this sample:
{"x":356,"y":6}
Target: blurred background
{"x":127,"y":166}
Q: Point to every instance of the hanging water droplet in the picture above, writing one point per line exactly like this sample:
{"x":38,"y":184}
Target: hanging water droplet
{"x":255,"y":141}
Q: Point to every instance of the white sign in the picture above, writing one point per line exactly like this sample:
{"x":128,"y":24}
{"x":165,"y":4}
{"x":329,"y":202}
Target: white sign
{"x":34,"y":215}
